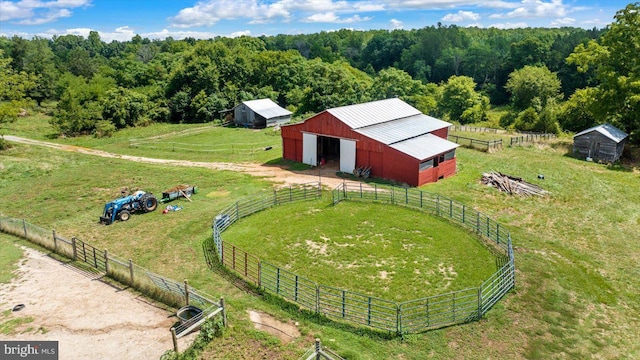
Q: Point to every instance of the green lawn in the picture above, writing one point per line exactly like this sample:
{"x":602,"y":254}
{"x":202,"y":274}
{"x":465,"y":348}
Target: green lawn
{"x":359,"y":247}
{"x":577,"y":250}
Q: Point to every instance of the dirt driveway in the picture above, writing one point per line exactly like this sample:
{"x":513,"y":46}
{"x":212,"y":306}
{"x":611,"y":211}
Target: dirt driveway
{"x":270,"y":172}
{"x":89,"y":318}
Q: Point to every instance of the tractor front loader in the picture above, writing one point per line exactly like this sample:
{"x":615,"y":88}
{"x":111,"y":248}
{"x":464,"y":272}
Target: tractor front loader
{"x":122,"y":208}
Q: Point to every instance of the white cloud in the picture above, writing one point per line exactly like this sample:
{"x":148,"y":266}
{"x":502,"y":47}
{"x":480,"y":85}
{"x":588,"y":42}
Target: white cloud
{"x":461,"y":16}
{"x":12,"y":11}
{"x":126,"y":33}
{"x":509,"y":25}
{"x":396,"y":24}
{"x":208,"y":13}
{"x":567,"y":21}
{"x":331,"y":17}
{"x":37,"y":12}
{"x":535,"y":9}
{"x":47,"y":18}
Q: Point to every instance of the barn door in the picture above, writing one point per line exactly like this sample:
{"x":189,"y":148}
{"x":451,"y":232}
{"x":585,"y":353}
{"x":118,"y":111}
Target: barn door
{"x":347,"y":155}
{"x":310,"y":149}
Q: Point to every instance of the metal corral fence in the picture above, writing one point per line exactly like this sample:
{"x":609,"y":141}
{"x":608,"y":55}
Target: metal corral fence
{"x":476,"y":143}
{"x":406,"y":317}
{"x":530,"y":137}
{"x":168,"y":291}
{"x":319,"y":352}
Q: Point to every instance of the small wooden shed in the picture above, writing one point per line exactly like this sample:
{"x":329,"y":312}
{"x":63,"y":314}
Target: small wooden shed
{"x":602,"y":143}
{"x":260,"y":114}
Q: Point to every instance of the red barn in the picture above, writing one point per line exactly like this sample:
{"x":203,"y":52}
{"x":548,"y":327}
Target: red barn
{"x":393,"y":138}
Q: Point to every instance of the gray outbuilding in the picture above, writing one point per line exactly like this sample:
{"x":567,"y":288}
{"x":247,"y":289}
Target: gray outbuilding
{"x":260,"y":114}
{"x":602,"y":143}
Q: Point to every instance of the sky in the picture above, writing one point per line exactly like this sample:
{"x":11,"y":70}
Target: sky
{"x":201,"y":19}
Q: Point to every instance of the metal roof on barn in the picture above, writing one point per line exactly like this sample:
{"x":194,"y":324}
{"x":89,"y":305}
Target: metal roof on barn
{"x":607,"y":130}
{"x":395,"y":123}
{"x":266,"y":108}
{"x":401,"y":129}
{"x":374,"y":112}
{"x":424,"y":146}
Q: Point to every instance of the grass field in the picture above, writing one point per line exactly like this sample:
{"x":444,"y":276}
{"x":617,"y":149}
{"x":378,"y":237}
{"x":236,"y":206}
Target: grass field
{"x":360,"y":248}
{"x":577,"y":251}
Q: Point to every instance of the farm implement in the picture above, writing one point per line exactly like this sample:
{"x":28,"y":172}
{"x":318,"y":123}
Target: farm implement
{"x":179,"y":191}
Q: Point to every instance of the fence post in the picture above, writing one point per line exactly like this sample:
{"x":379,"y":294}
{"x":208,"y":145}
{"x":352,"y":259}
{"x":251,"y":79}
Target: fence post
{"x":438,"y":205}
{"x":175,"y":340}
{"x":131,"y":271}
{"x":399,"y":320}
{"x":317,"y":299}
{"x":55,"y":242}
{"x":317,"y":349}
{"x":106,"y":261}
{"x":463,"y":207}
{"x":224,"y":312}
{"x":24,"y":226}
{"x":237,"y":210}
{"x":186,"y":292}
{"x":478,"y":222}
{"x":450,"y":208}
{"x":75,"y":251}
{"x":275,"y":197}
{"x":480,"y":302}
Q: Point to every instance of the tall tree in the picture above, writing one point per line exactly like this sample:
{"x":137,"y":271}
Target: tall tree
{"x":617,"y":64}
{"x":458,"y":95}
{"x":532,"y":85}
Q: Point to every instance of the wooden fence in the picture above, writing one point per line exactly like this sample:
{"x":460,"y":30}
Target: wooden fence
{"x":530,"y":138}
{"x":475,"y":143}
{"x":467,"y":128}
{"x":359,"y":309}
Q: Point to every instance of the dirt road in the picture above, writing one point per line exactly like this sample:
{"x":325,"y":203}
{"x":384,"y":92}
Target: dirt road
{"x":270,"y":172}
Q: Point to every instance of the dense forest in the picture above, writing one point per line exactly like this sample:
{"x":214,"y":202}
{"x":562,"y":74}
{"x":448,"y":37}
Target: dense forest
{"x":545,"y":79}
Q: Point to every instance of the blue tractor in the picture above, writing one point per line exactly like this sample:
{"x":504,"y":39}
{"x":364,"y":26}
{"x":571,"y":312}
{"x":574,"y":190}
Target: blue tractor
{"x":122,"y":208}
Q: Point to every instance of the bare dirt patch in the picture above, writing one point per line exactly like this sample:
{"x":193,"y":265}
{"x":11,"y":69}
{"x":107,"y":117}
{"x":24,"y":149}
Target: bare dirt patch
{"x":286,"y":332}
{"x":89,"y":318}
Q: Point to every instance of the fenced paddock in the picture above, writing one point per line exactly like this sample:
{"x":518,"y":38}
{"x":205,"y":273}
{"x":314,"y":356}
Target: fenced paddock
{"x":124,"y":271}
{"x":406,"y":317}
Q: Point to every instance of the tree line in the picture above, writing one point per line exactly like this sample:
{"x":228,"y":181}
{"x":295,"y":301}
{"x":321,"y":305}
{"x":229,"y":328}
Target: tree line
{"x":545,"y":79}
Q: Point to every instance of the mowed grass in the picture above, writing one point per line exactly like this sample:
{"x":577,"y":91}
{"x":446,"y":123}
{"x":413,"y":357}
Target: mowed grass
{"x":577,"y":251}
{"x":358,"y":247}
{"x":9,"y":257}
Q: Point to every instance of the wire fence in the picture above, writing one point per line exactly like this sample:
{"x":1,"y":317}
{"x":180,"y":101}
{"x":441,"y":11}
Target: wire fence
{"x":407,"y":317}
{"x":155,"y":286}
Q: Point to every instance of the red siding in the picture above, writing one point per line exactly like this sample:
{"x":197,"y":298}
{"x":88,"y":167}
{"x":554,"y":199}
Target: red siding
{"x":444,"y":169}
{"x":443,"y":133}
{"x":385,"y":162}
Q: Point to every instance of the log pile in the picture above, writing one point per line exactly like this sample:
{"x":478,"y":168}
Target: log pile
{"x":512,"y":185}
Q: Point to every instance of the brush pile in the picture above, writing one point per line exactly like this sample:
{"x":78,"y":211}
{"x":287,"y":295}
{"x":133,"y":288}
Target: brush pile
{"x":512,"y":185}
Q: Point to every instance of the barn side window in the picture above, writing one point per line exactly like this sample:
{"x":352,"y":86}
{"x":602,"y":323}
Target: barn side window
{"x":426,"y":165}
{"x":450,"y":155}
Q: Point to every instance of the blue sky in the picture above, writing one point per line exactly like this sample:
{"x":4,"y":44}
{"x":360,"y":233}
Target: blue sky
{"x":122,"y":19}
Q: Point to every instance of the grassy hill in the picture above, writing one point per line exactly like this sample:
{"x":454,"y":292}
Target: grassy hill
{"x":577,"y":250}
